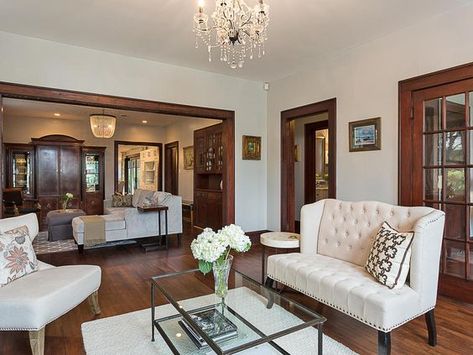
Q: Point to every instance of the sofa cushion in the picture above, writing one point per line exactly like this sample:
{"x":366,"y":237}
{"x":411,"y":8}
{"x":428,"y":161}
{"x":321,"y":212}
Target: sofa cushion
{"x":348,"y":229}
{"x":119,"y":200}
{"x":390,"y":256}
{"x":30,"y":220}
{"x":17,"y":256}
{"x":112,"y":222}
{"x":37,"y":299}
{"x":346,"y":287}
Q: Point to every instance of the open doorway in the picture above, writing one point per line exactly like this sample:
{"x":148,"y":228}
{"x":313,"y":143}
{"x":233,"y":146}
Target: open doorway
{"x":141,"y":108}
{"x":308,"y":165}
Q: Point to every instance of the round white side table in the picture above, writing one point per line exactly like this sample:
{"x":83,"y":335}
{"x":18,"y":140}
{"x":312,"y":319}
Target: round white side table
{"x":277,"y":240}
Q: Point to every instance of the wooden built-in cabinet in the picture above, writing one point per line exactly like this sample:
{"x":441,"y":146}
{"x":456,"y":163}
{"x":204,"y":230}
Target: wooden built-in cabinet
{"x":208,"y":177}
{"x":56,"y":165}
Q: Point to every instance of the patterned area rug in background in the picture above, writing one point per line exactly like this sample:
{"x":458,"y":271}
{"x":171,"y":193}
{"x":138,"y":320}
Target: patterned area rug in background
{"x":42,"y":245}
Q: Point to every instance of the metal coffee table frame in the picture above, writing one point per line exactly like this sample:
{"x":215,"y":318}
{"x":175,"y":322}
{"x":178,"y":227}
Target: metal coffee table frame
{"x":271,"y":294}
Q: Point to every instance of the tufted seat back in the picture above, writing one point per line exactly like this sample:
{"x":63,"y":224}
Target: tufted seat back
{"x":347,"y":229}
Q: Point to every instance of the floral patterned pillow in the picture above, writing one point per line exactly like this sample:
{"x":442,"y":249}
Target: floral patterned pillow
{"x":17,"y":256}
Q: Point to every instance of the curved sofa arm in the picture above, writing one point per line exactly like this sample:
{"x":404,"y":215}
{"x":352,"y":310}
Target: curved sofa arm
{"x":311,"y":216}
{"x":425,"y":256}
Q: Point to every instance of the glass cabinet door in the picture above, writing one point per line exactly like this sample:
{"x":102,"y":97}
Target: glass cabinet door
{"x":21,"y":171}
{"x":92,"y":172}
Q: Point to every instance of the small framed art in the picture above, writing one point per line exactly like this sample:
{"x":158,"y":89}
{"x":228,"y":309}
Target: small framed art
{"x":251,"y":148}
{"x":365,"y":135}
{"x":188,"y":157}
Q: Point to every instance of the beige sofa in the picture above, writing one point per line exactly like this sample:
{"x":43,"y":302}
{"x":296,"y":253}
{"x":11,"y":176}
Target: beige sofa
{"x":336,"y":238}
{"x":34,"y":300}
{"x":126,"y":223}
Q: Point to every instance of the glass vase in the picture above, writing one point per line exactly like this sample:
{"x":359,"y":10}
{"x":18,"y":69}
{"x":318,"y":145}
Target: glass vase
{"x":221,"y":271}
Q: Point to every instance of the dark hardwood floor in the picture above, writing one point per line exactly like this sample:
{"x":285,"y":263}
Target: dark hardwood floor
{"x":125,"y":287}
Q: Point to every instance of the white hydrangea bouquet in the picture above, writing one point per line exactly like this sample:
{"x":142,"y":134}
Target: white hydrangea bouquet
{"x":212,"y":250}
{"x":65,"y":200}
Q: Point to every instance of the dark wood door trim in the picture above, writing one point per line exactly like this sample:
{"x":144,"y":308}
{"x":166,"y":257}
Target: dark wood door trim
{"x":2,"y":157}
{"x":310,"y":159}
{"x":19,"y":91}
{"x":173,"y":185}
{"x":287,"y":155}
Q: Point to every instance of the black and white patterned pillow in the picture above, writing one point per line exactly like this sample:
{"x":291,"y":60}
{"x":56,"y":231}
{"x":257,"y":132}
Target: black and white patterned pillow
{"x":390,"y":256}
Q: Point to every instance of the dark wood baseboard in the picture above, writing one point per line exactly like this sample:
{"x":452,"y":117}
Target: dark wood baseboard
{"x":456,"y":288}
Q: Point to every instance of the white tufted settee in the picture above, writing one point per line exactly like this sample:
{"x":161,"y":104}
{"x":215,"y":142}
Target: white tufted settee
{"x":336,"y":238}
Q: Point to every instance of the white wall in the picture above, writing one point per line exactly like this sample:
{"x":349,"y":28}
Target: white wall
{"x":183,"y":131}
{"x":38,"y":62}
{"x":299,"y":166}
{"x":365,"y":82}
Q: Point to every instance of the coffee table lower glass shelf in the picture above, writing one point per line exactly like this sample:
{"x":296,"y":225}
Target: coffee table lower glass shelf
{"x":266,"y":322}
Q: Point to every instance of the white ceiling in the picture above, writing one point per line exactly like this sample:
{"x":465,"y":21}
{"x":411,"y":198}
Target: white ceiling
{"x":15,"y":108}
{"x":300,"y":32}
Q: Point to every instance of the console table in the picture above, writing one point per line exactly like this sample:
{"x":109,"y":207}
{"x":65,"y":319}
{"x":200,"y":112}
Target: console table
{"x":157,"y":245}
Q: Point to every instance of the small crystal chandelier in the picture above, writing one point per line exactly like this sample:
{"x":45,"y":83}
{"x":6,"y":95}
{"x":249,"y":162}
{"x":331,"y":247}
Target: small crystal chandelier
{"x":102,"y":125}
{"x":237,"y":30}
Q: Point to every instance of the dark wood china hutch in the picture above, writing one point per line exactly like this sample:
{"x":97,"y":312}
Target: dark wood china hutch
{"x":53,"y":165}
{"x":208,"y":177}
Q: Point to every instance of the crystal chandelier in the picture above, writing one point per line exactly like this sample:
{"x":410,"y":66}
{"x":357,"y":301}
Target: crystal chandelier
{"x":237,"y":30}
{"x":102,"y":125}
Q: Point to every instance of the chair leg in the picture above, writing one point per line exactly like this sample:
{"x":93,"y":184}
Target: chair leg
{"x":269,"y":284}
{"x":94,"y":302}
{"x":37,"y":341}
{"x":430,"y":320}
{"x":384,"y":343}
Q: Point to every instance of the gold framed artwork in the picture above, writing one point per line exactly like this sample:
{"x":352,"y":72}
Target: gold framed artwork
{"x":251,"y":148}
{"x":188,"y":157}
{"x":365,"y":135}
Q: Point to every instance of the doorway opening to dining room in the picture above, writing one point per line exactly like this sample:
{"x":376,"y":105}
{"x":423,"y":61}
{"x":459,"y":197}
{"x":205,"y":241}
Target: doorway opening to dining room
{"x":308,"y":165}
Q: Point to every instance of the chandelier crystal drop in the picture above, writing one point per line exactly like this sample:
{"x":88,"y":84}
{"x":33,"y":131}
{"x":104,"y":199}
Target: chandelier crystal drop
{"x":237,"y":31}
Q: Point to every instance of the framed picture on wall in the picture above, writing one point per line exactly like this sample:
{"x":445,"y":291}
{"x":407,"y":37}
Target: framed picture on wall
{"x":188,"y":157}
{"x":365,"y":135}
{"x":251,"y":148}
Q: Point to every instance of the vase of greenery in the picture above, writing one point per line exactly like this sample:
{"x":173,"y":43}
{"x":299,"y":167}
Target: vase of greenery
{"x":65,"y":200}
{"x":212,"y":250}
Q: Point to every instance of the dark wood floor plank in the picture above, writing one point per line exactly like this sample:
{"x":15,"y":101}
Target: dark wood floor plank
{"x":126,"y":272}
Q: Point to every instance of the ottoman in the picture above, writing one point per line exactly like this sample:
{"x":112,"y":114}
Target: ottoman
{"x":60,"y":223}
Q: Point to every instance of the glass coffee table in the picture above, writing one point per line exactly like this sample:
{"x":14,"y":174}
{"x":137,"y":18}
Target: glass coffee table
{"x":265,"y":321}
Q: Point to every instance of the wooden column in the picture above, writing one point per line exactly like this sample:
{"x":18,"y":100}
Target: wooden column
{"x":2,"y":158}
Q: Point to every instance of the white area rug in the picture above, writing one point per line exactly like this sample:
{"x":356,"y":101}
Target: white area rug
{"x":130,"y":333}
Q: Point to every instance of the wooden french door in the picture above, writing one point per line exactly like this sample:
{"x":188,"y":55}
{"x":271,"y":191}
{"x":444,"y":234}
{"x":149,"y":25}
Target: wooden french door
{"x":442,"y":172}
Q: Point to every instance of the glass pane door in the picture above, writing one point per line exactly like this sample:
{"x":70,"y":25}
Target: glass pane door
{"x":447,"y":171}
{"x":92,"y":172}
{"x":21,"y":171}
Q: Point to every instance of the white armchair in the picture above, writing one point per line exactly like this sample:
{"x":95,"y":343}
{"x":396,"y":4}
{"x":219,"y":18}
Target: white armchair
{"x":336,"y":239}
{"x":34,"y":300}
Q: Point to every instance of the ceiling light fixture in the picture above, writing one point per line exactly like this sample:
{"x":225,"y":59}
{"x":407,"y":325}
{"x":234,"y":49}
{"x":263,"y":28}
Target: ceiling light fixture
{"x":57,"y":114}
{"x":237,"y":30}
{"x":144,"y":121}
{"x":102,"y":125}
